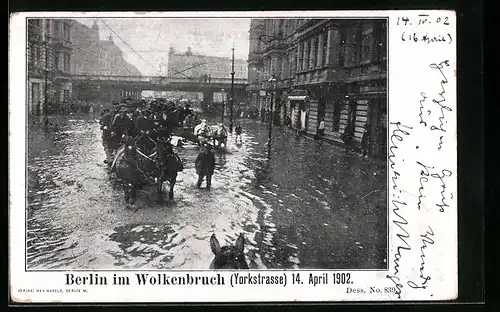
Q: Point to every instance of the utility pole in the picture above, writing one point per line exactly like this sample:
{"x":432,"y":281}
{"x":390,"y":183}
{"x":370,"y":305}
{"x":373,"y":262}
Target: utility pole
{"x":45,"y":102}
{"x":223,"y":107}
{"x":232,"y":95}
{"x":271,"y":120}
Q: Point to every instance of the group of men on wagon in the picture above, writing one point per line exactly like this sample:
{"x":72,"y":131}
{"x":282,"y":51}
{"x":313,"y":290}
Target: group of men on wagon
{"x":149,"y":124}
{"x":143,"y":122}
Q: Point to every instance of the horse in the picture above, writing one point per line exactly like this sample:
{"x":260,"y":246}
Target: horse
{"x":219,"y":135}
{"x":134,"y":170}
{"x":203,"y":133}
{"x":229,"y":257}
{"x":168,"y":165}
{"x":127,"y":171}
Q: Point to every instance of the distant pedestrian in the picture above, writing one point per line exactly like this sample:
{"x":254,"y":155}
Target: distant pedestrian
{"x":365,"y":141}
{"x":205,"y":165}
{"x":321,"y":128}
{"x":238,"y":132}
{"x":348,"y":134}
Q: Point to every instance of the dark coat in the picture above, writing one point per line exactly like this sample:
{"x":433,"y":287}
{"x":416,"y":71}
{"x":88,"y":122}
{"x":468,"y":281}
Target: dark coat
{"x":143,"y":124}
{"x":365,"y":141}
{"x":205,"y":163}
{"x":105,"y":121}
{"x":122,"y":125}
{"x":164,"y":127}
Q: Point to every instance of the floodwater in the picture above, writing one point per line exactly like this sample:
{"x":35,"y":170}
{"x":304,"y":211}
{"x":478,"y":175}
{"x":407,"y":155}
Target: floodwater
{"x":300,"y":204}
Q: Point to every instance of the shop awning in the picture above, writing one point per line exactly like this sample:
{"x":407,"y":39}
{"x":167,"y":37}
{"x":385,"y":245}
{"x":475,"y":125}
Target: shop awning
{"x":297,"y":97}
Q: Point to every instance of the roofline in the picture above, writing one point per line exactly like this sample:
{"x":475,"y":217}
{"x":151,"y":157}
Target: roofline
{"x":203,"y":55}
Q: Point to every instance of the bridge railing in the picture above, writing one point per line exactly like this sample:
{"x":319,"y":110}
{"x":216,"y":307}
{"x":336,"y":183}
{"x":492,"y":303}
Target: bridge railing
{"x":111,"y":78}
{"x":156,"y":79}
{"x":167,"y":80}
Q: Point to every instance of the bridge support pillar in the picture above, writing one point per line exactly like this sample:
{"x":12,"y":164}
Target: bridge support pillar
{"x":105,"y":94}
{"x":208,"y":98}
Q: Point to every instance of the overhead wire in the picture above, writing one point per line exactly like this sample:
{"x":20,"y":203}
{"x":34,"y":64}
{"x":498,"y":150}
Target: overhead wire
{"x":114,"y":32}
{"x":133,"y":50}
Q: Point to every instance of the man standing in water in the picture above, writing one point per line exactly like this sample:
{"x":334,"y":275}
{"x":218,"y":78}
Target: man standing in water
{"x":205,"y":165}
{"x":105,"y":122}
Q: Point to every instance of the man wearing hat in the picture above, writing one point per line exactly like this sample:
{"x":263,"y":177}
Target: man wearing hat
{"x":105,"y":122}
{"x":202,"y":131}
{"x":205,"y":165}
{"x":153,"y":105}
{"x":143,"y":126}
{"x":122,"y":125}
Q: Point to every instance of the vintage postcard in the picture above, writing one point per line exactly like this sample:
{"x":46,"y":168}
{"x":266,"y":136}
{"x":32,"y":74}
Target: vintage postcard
{"x":232,"y":156}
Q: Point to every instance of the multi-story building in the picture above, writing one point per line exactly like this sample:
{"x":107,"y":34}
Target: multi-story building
{"x":57,"y":50}
{"x":49,"y":51}
{"x":93,"y":56}
{"x":255,"y":63}
{"x":327,"y":69}
{"x":196,"y":66}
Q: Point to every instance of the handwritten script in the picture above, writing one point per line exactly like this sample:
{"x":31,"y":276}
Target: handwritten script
{"x":422,"y":156}
{"x":423,"y":29}
{"x":398,"y":134}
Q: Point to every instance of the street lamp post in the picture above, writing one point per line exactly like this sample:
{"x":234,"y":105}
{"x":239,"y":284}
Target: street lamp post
{"x":232,"y":95}
{"x":45,"y":100}
{"x":272,"y":82}
{"x":223,"y":108}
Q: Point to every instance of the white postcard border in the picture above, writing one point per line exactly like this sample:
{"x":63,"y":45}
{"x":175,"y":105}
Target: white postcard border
{"x":415,"y":168}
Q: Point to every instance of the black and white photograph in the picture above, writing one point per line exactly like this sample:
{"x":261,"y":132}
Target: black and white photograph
{"x":206,"y":143}
{"x":233,"y":156}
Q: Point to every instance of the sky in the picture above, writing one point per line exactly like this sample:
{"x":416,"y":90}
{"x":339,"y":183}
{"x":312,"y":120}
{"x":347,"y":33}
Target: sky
{"x":152,"y":38}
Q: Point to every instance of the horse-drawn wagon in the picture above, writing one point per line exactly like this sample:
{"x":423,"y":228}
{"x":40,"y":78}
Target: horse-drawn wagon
{"x":134,"y":168}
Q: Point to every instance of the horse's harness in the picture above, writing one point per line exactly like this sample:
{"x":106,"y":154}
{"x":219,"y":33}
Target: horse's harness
{"x":152,"y":157}
{"x":203,"y":132}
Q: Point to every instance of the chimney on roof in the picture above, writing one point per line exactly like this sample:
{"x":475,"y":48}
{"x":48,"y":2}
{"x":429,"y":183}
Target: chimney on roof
{"x":171,"y":51}
{"x":95,"y":32}
{"x":94,"y":26}
{"x":189,"y":51}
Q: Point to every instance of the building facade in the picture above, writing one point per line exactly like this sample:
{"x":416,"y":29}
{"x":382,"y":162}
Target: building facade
{"x":195,"y":66}
{"x":49,"y":51}
{"x":256,"y":71}
{"x":59,"y":49}
{"x":93,"y":56}
{"x":326,"y":69}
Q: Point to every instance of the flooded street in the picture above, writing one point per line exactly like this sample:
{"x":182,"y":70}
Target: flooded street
{"x":308,"y":205}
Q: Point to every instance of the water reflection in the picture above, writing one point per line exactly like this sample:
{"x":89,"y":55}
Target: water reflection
{"x":300,"y":204}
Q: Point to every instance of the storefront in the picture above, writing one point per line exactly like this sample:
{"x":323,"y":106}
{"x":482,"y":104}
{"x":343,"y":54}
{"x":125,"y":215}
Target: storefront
{"x":297,"y":105}
{"x":295,"y":111}
{"x":376,"y":118}
{"x":36,"y":88}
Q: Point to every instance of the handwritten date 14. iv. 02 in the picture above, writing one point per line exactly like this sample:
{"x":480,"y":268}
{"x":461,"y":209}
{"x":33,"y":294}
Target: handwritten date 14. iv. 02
{"x":423,"y":19}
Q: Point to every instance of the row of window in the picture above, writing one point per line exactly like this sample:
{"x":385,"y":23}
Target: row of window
{"x":282,"y":27}
{"x":361,"y":44}
{"x":270,"y":30}
{"x":58,"y":29}
{"x":36,"y":59}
